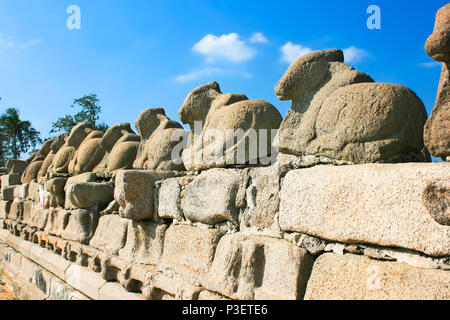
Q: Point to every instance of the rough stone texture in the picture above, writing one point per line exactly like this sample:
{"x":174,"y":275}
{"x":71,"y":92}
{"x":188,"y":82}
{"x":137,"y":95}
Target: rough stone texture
{"x":437,"y":128}
{"x":135,"y":192}
{"x":144,"y":243}
{"x":57,"y":221}
{"x":89,"y":195}
{"x":8,"y":193}
{"x":81,"y":226}
{"x":189,"y":251}
{"x":220,"y":113}
{"x":32,"y":171}
{"x":157,"y":132}
{"x":436,"y":198}
{"x":110,"y":234}
{"x":169,"y":200}
{"x":21,"y":191}
{"x":262,"y":198}
{"x":55,"y":195}
{"x":352,"y":277}
{"x":12,"y":179}
{"x":211,"y":197}
{"x":339,"y":113}
{"x":56,"y":144}
{"x":62,"y":159}
{"x":379,"y":204}
{"x":16,"y":211}
{"x":88,"y":155}
{"x":120,"y":145}
{"x":4,"y":208}
{"x":16,"y":166}
{"x":248,"y":267}
{"x":38,"y":218}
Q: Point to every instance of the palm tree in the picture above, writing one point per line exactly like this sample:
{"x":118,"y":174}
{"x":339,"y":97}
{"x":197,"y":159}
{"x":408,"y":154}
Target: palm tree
{"x":20,"y":136}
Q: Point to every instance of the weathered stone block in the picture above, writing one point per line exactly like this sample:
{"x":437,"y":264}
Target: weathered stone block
{"x":169,"y":200}
{"x":90,"y":195}
{"x":352,"y":277}
{"x":34,"y":191}
{"x":110,"y":234}
{"x":16,"y":211}
{"x":189,"y":250}
{"x":57,"y":221}
{"x":21,"y":191}
{"x":55,"y":195}
{"x":135,"y":192}
{"x":82,"y":178}
{"x":211,"y":197}
{"x":12,"y":179}
{"x":248,"y":267}
{"x":262,"y":198}
{"x":16,"y":166}
{"x":4,"y":209}
{"x":379,"y":204}
{"x":81,"y":226}
{"x":8,"y":193}
{"x":144,"y":243}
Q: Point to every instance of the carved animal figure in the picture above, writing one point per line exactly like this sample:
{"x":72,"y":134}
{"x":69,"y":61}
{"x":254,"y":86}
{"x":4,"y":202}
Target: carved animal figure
{"x":437,"y":128}
{"x":226,"y":129}
{"x":340,"y":113}
{"x":158,"y":138}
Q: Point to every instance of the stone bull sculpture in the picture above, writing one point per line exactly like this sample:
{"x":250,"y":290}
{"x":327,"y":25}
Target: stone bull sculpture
{"x":437,"y":128}
{"x":341,"y":114}
{"x":226,"y":128}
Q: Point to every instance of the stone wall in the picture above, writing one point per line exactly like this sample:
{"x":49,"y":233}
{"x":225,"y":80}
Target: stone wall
{"x":326,"y":232}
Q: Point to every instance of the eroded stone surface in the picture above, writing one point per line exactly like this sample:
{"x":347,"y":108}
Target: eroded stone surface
{"x":144,"y":243}
{"x":169,"y":200}
{"x":211,"y":197}
{"x":135,"y":192}
{"x":81,"y":226}
{"x":379,"y":204}
{"x":437,"y":128}
{"x":248,"y":267}
{"x":436,"y":198}
{"x":110,"y":234}
{"x":340,"y":113}
{"x":88,"y":195}
{"x":352,"y":277}
{"x":214,"y":118}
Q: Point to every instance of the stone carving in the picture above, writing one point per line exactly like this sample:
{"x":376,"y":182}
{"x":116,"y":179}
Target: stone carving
{"x":120,"y":145}
{"x":340,"y":113}
{"x":158,"y":134}
{"x":57,"y":143}
{"x":436,"y":198}
{"x":88,"y":155}
{"x":215,"y":118}
{"x":62,"y":159}
{"x":437,"y":128}
{"x":35,"y":162}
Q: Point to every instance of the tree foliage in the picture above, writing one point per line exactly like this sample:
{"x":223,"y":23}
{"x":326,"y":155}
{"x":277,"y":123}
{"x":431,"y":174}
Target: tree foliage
{"x":17,"y":136}
{"x":90,"y":113}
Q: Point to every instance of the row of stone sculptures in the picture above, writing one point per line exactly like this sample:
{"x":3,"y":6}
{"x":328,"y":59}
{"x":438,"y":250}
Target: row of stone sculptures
{"x":338,"y":114}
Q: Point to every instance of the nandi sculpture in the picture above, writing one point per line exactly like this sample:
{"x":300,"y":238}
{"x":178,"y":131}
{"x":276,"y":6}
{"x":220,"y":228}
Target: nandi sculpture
{"x":106,"y":153}
{"x":159,"y":135}
{"x":227,"y":129}
{"x":341,"y":114}
{"x":437,"y":128}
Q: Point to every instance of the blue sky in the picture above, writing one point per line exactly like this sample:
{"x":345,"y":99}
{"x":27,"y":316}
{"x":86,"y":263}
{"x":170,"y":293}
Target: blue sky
{"x":141,"y":54}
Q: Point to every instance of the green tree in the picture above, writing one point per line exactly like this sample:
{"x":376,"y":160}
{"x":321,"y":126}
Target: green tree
{"x":90,"y":111}
{"x":19,"y":136}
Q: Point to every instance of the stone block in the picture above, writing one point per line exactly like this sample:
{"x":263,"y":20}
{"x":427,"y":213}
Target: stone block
{"x":81,"y":226}
{"x":110,"y":234}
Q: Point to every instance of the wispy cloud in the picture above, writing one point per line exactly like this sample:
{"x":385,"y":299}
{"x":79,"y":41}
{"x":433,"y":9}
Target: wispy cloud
{"x":226,"y":47}
{"x":9,"y":42}
{"x":354,"y":55}
{"x":207,"y":72}
{"x":432,"y":64}
{"x":258,"y":37}
{"x":291,"y":51}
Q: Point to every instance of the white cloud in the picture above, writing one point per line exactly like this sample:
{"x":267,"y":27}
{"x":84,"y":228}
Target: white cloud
{"x":258,"y":37}
{"x":207,"y":72}
{"x":354,"y":55}
{"x":226,"y":47}
{"x":431,"y":64}
{"x":291,"y":51}
{"x":9,"y":42}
